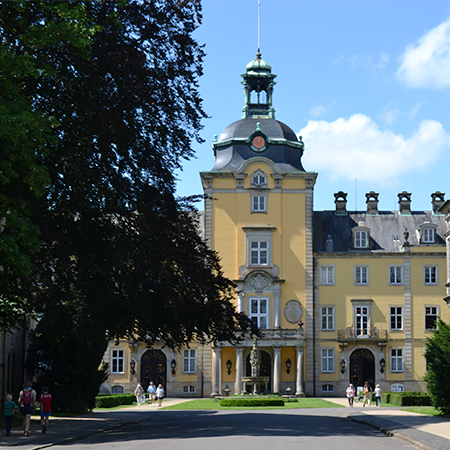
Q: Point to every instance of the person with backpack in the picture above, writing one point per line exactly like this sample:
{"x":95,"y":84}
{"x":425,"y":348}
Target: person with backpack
{"x":27,"y":399}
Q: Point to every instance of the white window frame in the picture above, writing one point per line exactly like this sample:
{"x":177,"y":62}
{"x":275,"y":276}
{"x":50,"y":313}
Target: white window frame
{"x":259,"y":253}
{"x":361,"y":239}
{"x":327,"y":275}
{"x":117,"y":390}
{"x":396,"y":313}
{"x":395,"y":275}
{"x":430,"y":275}
{"x":428,"y":235}
{"x":327,"y":360}
{"x":259,"y":203}
{"x":327,"y":388}
{"x":259,"y":234}
{"x":327,"y":318}
{"x":430,"y":311}
{"x":188,"y":389}
{"x":258,"y":316}
{"x":189,"y":360}
{"x":117,"y":361}
{"x":362,"y":314}
{"x":396,"y":360}
{"x":259,"y":179}
{"x":361,"y":275}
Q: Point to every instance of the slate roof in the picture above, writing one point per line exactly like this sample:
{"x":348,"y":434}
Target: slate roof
{"x":386,"y":229}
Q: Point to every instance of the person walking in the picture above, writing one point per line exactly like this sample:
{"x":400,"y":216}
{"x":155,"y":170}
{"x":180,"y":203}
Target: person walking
{"x":160,"y":394}
{"x":367,"y":392}
{"x":377,"y":396}
{"x":10,"y":407}
{"x":350,"y":392}
{"x":46,"y":408}
{"x":27,"y":399}
{"x":152,"y":393}
{"x":139,"y":393}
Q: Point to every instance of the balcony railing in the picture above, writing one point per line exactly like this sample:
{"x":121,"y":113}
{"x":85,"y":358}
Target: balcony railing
{"x":351,"y":334}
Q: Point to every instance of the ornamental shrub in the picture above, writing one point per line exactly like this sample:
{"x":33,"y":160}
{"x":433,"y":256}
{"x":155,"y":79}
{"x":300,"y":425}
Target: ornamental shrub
{"x":110,"y":401}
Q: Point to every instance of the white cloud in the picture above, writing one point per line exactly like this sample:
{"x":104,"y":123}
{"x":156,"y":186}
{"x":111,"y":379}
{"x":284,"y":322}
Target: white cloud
{"x":374,"y":63}
{"x":320,"y":110}
{"x":427,"y":64}
{"x":357,"y":148}
{"x":390,"y":113}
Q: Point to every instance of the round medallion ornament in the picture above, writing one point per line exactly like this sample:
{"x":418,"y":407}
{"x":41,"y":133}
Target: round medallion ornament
{"x":293,"y":311}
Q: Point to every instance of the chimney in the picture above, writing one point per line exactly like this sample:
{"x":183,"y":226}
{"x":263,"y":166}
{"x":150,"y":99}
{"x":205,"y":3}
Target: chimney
{"x":372,"y":202}
{"x":340,"y":199}
{"x":404,"y":201}
{"x":437,"y":200}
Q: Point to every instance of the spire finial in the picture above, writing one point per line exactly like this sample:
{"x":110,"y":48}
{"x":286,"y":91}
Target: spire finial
{"x":259,"y":27}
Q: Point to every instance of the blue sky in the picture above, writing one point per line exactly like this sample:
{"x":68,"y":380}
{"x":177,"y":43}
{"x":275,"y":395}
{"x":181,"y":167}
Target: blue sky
{"x":366,"y":83}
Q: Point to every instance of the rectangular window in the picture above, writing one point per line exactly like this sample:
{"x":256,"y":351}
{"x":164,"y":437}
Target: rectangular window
{"x":188,"y":361}
{"x":428,"y":235}
{"x":360,"y":239}
{"x":431,"y":315}
{"x":259,"y":203}
{"x":327,"y":388}
{"x":327,"y":360}
{"x":326,"y":275}
{"x":327,"y":318}
{"x":395,"y":274}
{"x":396,"y":360}
{"x":259,"y":312}
{"x":396,"y":314}
{"x":362,"y":321}
{"x":258,"y":253}
{"x":430,"y":275}
{"x":361,"y":275}
{"x":117,"y":390}
{"x":117,"y":361}
{"x":189,"y":389}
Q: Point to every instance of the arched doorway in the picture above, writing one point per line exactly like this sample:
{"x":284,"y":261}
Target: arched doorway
{"x":362,"y":367}
{"x":265,"y":370}
{"x":154,"y":368}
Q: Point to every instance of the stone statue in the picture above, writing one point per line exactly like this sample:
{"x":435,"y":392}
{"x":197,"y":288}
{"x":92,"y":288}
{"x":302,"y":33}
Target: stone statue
{"x":255,"y":358}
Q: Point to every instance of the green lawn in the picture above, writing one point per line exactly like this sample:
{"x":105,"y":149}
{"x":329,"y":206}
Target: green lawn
{"x":206,"y":403}
{"x":427,"y":410}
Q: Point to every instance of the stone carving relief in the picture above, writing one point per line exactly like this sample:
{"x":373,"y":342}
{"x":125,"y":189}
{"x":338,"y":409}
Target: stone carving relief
{"x":259,"y":283}
{"x":293,"y":311}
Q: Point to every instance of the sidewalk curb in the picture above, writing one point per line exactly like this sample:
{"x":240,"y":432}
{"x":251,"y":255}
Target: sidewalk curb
{"x":90,"y":433}
{"x":422,"y":439}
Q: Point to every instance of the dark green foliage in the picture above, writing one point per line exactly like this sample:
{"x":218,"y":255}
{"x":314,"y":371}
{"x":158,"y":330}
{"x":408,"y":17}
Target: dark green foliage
{"x":111,"y":89}
{"x":251,"y":402}
{"x":438,"y":365}
{"x":386,"y":397}
{"x":409,"y":399}
{"x":110,"y":401}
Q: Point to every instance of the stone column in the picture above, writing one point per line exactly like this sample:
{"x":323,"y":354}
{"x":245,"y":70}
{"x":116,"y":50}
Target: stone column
{"x":217,"y":369}
{"x":277,"y":370}
{"x":299,"y":379}
{"x":239,"y":370}
{"x":240,"y":301}
{"x":277,"y":308}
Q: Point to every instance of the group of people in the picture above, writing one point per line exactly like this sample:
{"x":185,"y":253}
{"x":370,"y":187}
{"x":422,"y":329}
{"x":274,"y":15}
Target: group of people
{"x":25,"y":404}
{"x":366,"y":394}
{"x":153,"y":392}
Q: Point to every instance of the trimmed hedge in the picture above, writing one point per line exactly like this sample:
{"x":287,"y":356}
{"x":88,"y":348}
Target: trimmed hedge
{"x":410,"y":399}
{"x":251,"y":402}
{"x":386,"y":397}
{"x":110,"y":401}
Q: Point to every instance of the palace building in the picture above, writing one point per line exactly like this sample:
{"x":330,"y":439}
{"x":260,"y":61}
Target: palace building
{"x":339,"y":296}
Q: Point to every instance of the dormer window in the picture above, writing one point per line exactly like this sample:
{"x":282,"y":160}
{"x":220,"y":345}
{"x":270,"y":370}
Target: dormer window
{"x":360,"y":239}
{"x":427,"y":232}
{"x":259,"y":180}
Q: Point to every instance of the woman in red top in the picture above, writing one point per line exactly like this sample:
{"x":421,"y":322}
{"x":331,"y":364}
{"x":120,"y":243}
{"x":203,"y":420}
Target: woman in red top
{"x":46,"y":407}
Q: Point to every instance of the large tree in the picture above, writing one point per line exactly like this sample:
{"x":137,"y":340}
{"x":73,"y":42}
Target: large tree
{"x":120,"y":255}
{"x":438,"y":367}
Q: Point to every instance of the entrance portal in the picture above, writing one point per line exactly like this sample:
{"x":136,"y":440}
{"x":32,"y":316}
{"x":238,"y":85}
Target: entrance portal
{"x":153,"y":368}
{"x":265,"y":369}
{"x":362,"y":368}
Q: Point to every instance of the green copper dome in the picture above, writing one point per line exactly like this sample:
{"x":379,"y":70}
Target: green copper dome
{"x":258,"y":65}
